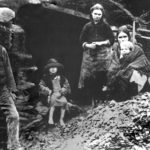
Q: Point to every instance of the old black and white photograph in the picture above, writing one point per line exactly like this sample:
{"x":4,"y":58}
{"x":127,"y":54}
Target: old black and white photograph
{"x":74,"y":74}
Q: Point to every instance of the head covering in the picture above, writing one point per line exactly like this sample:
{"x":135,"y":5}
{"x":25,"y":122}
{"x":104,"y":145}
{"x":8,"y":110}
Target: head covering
{"x":53,"y":63}
{"x":124,"y":29}
{"x":6,"y":14}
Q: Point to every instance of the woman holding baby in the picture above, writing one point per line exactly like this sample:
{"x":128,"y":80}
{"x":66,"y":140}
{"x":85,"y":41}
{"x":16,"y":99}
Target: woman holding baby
{"x":129,"y":71}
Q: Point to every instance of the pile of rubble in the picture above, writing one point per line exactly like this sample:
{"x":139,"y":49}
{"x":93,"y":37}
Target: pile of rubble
{"x":115,"y":126}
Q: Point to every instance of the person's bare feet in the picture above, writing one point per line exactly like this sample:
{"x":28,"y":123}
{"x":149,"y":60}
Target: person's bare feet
{"x":105,"y":88}
{"x":20,"y":148}
{"x":62,"y":123}
{"x":51,"y":122}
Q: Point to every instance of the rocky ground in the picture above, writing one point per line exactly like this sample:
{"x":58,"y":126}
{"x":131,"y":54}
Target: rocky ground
{"x":110,"y":126}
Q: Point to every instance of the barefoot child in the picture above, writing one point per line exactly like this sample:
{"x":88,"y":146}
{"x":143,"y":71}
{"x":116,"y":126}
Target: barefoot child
{"x":56,"y":87}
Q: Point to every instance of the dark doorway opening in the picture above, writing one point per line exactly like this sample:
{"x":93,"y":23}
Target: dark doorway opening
{"x":53,"y":34}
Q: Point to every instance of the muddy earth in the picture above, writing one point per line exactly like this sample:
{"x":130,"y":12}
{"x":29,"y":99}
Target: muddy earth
{"x":110,"y":126}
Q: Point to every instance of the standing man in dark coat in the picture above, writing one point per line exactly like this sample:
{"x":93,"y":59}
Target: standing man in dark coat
{"x":8,"y":89}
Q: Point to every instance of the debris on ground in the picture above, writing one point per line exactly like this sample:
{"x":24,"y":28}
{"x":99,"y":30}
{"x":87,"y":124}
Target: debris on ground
{"x":110,"y":126}
{"x":116,"y":125}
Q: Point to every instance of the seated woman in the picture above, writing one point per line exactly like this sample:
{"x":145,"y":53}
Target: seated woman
{"x":131,"y":73}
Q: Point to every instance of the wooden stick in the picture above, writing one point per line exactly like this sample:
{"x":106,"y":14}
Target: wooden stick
{"x":143,"y":30}
{"x":145,"y":37}
{"x":31,"y":124}
{"x":66,"y":10}
{"x":133,"y":32}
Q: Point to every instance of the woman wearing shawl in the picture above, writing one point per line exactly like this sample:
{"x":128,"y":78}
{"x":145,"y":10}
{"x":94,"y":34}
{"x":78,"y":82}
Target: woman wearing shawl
{"x":128,"y":74}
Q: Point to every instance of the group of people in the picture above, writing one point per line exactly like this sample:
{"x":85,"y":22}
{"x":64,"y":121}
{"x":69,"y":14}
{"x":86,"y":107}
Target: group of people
{"x":129,"y":70}
{"x":120,"y":67}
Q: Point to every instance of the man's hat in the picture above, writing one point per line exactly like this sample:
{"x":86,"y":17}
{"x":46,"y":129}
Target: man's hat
{"x":53,"y":63}
{"x":6,"y":14}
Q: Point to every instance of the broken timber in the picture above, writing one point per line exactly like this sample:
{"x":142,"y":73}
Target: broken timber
{"x":65,"y":10}
{"x":145,"y":37}
{"x":141,"y":30}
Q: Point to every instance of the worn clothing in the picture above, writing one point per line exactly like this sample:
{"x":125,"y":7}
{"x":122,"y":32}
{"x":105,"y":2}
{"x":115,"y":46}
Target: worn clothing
{"x":91,"y":64}
{"x":12,"y":118}
{"x":96,"y":32}
{"x":7,"y":85}
{"x":96,"y":60}
{"x":56,"y":89}
{"x":6,"y":75}
{"x":139,"y":79}
{"x":123,"y":71}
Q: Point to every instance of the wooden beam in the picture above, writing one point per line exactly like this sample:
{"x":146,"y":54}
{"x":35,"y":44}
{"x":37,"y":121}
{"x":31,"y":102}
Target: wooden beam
{"x":65,"y":10}
{"x":145,"y":37}
{"x":133,"y":32}
{"x":137,"y":19}
{"x":143,"y":30}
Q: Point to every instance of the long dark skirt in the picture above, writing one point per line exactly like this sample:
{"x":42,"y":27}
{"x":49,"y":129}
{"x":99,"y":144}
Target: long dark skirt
{"x":94,"y":68}
{"x":94,"y":61}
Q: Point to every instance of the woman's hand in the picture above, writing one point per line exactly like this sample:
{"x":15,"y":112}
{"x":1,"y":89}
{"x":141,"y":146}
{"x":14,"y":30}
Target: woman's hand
{"x":90,"y":46}
{"x":100,"y":43}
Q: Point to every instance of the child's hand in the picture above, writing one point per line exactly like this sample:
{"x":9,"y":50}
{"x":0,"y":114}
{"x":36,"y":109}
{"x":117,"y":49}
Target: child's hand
{"x":57,"y":94}
{"x":49,"y":99}
{"x":46,"y":91}
{"x":63,"y":91}
{"x":49,"y":92}
{"x":121,"y":56}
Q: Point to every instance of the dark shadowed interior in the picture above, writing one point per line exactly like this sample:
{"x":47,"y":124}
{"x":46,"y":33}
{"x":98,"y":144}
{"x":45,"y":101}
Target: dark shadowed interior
{"x":52,"y":34}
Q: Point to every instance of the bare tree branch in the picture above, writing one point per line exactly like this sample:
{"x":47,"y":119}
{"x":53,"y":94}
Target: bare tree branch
{"x":137,"y":19}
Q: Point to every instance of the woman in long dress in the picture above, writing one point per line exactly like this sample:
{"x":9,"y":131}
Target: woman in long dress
{"x":96,"y":39}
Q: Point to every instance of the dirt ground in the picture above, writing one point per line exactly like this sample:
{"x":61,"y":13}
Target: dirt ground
{"x":55,"y":138}
{"x":110,"y":126}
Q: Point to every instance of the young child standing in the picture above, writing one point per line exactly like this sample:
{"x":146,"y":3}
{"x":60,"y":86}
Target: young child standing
{"x":56,"y":87}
